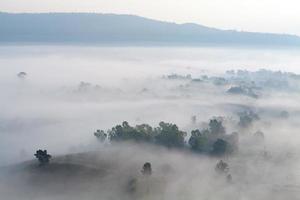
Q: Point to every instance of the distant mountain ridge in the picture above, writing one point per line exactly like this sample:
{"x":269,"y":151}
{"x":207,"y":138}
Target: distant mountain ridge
{"x":89,"y":28}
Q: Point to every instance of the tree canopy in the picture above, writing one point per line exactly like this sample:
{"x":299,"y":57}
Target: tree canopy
{"x":169,"y":135}
{"x":125,"y":132}
{"x":42,"y":156}
{"x":212,"y":140}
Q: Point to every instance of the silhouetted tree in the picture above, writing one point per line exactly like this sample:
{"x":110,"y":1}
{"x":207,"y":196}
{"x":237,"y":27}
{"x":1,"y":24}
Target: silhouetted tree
{"x":194,"y":119}
{"x":147,"y":170}
{"x":22,"y":75}
{"x":222,"y":167}
{"x":84,"y":86}
{"x":42,"y":156}
{"x":229,"y":178}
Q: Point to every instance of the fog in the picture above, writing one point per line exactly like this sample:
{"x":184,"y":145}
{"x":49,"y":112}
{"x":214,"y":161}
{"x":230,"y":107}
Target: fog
{"x":68,"y":92}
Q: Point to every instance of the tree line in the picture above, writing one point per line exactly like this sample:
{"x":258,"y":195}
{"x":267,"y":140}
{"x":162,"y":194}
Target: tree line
{"x":212,"y":140}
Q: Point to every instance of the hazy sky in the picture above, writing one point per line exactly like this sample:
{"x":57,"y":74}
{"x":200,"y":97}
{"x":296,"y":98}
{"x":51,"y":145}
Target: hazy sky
{"x":248,"y":15}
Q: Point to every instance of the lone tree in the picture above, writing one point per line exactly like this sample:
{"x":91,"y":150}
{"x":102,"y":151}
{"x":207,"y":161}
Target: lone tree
{"x":147,"y":170}
{"x":22,"y":75}
{"x":42,"y":156}
{"x":194,"y":119}
{"x":222,"y":167}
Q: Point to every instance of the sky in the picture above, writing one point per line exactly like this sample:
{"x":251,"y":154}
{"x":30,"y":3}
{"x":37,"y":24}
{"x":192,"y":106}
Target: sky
{"x":276,"y":16}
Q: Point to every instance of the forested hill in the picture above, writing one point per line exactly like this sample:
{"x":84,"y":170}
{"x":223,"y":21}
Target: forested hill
{"x":88,"y":28}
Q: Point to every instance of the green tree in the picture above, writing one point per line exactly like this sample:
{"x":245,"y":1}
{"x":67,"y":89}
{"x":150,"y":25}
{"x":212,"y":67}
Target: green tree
{"x":169,"y":135}
{"x":199,"y":140}
{"x":125,"y":132}
{"x":219,"y":147}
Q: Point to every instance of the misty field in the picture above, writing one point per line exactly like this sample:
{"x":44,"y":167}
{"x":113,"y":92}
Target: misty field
{"x":57,"y":97}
